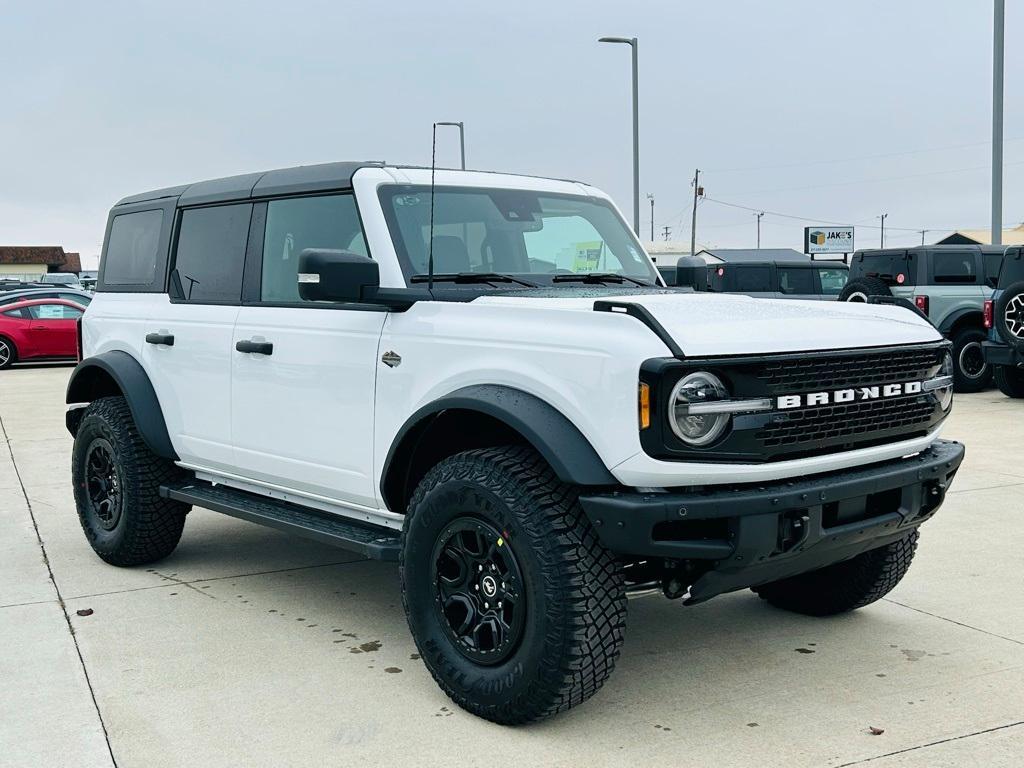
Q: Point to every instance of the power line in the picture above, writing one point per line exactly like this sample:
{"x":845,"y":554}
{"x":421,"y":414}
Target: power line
{"x":832,"y":161}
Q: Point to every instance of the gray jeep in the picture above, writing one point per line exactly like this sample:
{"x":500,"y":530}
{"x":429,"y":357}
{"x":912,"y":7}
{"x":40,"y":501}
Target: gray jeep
{"x":1004,"y":317}
{"x":947,"y":283}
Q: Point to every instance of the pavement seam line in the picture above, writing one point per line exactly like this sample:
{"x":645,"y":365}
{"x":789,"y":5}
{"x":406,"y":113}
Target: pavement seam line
{"x":60,"y":598}
{"x":932,"y":744}
{"x":952,"y":621}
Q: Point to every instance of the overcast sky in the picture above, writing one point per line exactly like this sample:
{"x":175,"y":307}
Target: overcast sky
{"x":835,"y":111}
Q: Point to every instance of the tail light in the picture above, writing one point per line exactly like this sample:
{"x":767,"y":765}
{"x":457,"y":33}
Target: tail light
{"x":921,"y":302}
{"x":78,"y":338}
{"x":987,"y":312}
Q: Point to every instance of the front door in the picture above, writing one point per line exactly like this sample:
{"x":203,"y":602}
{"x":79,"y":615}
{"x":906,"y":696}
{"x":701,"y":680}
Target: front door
{"x":303,"y":373}
{"x":52,"y":329}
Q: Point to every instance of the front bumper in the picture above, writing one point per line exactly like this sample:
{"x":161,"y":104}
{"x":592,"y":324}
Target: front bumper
{"x":744,"y":535}
{"x":1002,"y":354}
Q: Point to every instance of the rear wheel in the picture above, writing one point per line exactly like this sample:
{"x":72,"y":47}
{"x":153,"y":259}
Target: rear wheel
{"x":117,"y":483}
{"x":844,"y":586}
{"x":8,"y":354}
{"x":970,"y":371}
{"x":1010,"y":380}
{"x":516,"y":608}
{"x":863,"y":288}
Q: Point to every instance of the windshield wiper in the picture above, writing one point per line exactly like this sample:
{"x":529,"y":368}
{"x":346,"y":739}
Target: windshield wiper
{"x":598,"y":277}
{"x":472,"y":277}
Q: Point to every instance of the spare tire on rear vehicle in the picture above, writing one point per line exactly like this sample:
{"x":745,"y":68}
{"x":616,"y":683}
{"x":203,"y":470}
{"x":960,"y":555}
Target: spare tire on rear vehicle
{"x":863,"y":288}
{"x":1008,"y":314}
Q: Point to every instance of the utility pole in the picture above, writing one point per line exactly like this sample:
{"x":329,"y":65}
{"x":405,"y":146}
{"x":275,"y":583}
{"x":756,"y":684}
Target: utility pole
{"x":882,"y":242}
{"x":666,"y":233}
{"x":651,"y":198}
{"x":922,"y":235}
{"x":997,"y":122}
{"x":697,"y":191}
{"x":759,"y":215}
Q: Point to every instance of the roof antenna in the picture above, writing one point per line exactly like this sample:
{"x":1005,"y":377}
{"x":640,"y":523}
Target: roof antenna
{"x":430,"y":243}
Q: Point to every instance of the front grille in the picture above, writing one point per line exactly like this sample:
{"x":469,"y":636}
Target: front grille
{"x":847,"y":423}
{"x":794,"y":376}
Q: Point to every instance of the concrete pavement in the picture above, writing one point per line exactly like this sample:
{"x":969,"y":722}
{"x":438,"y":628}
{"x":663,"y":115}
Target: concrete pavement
{"x":248,"y":647}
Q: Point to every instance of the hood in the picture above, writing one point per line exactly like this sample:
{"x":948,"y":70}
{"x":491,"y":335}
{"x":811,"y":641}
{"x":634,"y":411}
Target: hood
{"x":706,"y":324}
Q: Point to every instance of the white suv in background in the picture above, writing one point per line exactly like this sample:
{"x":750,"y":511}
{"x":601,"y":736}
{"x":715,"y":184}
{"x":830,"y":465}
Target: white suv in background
{"x":483,"y":377}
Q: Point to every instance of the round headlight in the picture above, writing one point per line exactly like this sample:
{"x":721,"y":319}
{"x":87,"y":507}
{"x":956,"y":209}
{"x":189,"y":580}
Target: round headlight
{"x":697,"y":428}
{"x":945,"y":394}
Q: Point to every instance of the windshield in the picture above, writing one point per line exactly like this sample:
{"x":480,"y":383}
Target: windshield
{"x":534,"y":235}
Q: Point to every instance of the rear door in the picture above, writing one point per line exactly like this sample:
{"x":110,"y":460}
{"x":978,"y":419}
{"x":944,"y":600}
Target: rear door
{"x":302,"y":407}
{"x":797,"y":283}
{"x":955,"y":283}
{"x":187,"y":349}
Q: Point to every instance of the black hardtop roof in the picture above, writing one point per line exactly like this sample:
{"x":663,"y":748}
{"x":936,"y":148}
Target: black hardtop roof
{"x":281,"y":181}
{"x":748,"y":256}
{"x":924,"y":248}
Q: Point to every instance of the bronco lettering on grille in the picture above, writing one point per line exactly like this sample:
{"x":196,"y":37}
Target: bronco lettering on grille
{"x":849,"y":395}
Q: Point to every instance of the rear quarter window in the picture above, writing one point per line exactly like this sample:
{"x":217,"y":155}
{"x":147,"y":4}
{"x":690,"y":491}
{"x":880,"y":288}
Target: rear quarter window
{"x":133,"y":249}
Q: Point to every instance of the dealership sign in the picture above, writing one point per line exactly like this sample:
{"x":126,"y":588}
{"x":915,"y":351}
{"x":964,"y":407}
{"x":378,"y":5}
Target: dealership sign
{"x":828,"y":240}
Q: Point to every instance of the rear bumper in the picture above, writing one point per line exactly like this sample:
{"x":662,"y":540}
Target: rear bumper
{"x":748,"y":535}
{"x":1002,"y":354}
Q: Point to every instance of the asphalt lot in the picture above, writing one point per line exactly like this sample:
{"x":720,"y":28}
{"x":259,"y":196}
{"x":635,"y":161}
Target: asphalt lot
{"x":250,"y":647}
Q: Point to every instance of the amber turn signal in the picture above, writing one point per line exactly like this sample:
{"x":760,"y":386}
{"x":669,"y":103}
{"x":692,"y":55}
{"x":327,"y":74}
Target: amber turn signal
{"x":644,"y":403}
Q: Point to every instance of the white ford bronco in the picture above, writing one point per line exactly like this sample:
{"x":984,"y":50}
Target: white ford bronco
{"x":483,"y":377}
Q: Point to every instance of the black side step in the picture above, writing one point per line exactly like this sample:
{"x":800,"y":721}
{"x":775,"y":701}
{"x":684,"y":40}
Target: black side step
{"x":373,"y":541}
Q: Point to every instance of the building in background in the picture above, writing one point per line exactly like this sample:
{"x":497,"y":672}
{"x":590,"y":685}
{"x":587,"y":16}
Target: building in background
{"x":1011,"y":236}
{"x":665,"y":253}
{"x":27,"y":261}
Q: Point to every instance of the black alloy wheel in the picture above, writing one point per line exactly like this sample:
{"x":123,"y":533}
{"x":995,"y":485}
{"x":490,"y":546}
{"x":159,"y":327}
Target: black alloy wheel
{"x":479,"y":590}
{"x":103,"y":485}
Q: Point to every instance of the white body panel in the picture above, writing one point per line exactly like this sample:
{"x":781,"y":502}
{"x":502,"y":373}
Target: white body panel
{"x":316,"y":420}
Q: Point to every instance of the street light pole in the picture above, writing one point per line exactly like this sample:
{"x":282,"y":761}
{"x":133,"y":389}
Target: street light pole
{"x":631,"y":42}
{"x":997,"y":122}
{"x":882,"y":236}
{"x":759,"y":215}
{"x":462,"y":138}
{"x":651,"y":198}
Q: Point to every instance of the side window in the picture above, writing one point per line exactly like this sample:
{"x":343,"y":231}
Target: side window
{"x":131,"y":255}
{"x":993,"y":262}
{"x":53,"y":312}
{"x":22,"y":313}
{"x":748,"y":279}
{"x":295,"y":224}
{"x":954,"y":267}
{"x":210,"y":255}
{"x":796,"y":281}
{"x":832,"y":280}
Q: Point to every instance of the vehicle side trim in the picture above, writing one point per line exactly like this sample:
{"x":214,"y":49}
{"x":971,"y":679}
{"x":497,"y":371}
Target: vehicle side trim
{"x":557,"y":439}
{"x":955,"y":317}
{"x":88,"y":383}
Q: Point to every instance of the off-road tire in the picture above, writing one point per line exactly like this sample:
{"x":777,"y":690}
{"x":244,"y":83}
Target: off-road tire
{"x":862,"y":288}
{"x":1010,"y":380}
{"x":968,"y":342}
{"x":11,"y":356}
{"x":149,"y":527}
{"x":1015,"y":293}
{"x":844,"y":586}
{"x":575,"y":595}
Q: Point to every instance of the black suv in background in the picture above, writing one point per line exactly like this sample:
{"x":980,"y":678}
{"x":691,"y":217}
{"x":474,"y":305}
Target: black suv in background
{"x":770,"y":278}
{"x":949,"y":284}
{"x":1004,"y":317}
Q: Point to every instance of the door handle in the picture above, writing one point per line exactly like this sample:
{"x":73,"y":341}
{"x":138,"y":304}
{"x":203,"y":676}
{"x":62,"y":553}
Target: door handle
{"x":256,"y":347}
{"x":164,"y":339}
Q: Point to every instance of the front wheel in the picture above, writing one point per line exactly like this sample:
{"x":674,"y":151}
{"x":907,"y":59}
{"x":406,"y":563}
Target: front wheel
{"x":970,"y":371}
{"x":8,"y":354}
{"x":844,"y":586}
{"x":1010,"y":380}
{"x":516,"y":608}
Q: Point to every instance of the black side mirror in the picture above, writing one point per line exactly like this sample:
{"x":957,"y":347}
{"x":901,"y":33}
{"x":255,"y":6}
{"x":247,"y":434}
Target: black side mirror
{"x":692,"y":272}
{"x":326,"y":275}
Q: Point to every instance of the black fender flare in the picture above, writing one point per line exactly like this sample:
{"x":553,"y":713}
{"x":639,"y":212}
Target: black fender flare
{"x":952,"y":319}
{"x":570,"y":455}
{"x":90,"y":381}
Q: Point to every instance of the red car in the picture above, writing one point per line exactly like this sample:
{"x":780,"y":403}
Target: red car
{"x":40,"y":329}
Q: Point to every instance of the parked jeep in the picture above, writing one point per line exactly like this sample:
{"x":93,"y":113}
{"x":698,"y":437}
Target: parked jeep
{"x":482,"y":377}
{"x":765,"y":273}
{"x":947,"y":283}
{"x":1004,"y":317}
